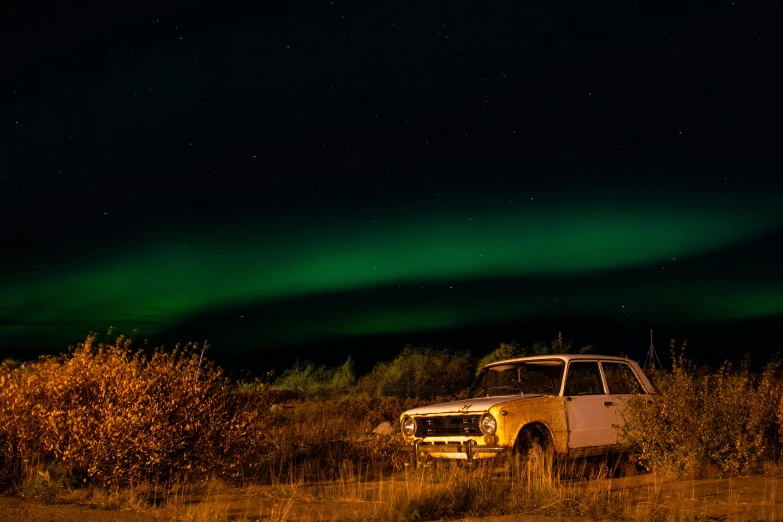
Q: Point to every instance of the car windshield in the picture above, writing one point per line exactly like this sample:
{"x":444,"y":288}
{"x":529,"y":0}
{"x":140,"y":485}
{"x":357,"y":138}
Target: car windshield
{"x":519,"y":378}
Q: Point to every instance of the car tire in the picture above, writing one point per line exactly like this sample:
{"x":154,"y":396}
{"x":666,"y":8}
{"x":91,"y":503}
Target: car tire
{"x":533,"y":458}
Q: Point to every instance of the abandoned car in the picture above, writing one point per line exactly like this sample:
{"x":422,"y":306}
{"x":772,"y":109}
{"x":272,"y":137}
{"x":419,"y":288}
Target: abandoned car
{"x":531,"y":409}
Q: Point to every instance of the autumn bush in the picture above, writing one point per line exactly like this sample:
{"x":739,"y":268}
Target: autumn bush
{"x":420,"y":372}
{"x":306,"y":380}
{"x":109,"y":415}
{"x":723,"y":423}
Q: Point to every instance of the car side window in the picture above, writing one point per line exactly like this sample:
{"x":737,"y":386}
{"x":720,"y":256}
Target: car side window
{"x":584,"y":378}
{"x":620,"y":379}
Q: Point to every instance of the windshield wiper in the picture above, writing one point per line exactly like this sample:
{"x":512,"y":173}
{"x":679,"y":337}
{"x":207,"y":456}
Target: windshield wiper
{"x":475,"y":393}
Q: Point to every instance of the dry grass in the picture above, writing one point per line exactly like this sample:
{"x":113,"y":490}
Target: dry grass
{"x":449,"y":491}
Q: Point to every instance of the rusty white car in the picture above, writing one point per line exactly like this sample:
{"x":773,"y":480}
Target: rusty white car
{"x":531,"y":409}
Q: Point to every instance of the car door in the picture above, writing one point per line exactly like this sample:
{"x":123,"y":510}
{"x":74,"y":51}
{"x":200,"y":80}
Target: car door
{"x":590,"y":411}
{"x":623,"y":384}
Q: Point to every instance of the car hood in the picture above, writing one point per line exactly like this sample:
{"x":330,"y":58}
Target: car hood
{"x":468,"y":405}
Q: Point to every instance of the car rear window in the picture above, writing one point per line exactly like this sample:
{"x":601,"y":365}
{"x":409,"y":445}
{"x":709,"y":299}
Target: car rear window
{"x":620,"y":379}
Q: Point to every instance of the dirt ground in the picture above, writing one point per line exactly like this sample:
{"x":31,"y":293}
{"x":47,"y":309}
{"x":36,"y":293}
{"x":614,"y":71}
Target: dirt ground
{"x":14,"y":508}
{"x":739,"y":499}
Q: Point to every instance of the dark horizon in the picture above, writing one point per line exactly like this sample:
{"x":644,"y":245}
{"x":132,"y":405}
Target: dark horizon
{"x":709,"y":344}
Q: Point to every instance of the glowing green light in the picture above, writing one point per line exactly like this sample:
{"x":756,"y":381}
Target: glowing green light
{"x":152,"y":286}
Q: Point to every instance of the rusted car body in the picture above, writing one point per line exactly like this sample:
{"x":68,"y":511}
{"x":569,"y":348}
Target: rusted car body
{"x":550,"y":405}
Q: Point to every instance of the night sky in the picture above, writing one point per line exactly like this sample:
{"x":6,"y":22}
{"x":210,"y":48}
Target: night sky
{"x":329,"y":179}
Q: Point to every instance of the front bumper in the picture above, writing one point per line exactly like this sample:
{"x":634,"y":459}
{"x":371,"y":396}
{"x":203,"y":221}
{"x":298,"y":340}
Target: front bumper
{"x":458,"y":450}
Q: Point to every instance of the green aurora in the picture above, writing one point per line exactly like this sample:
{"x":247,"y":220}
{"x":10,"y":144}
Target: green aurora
{"x":559,"y":254}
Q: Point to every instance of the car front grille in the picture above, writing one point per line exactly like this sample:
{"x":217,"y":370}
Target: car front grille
{"x":448,"y":425}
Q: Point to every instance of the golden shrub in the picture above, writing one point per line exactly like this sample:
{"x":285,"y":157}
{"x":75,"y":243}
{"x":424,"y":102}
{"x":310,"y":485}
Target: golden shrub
{"x":111,"y":415}
{"x":722,"y":423}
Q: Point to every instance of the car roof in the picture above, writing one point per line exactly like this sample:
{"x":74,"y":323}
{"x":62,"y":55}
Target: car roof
{"x":565,"y":357}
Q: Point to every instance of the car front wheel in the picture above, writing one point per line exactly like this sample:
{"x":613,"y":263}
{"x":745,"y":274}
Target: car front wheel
{"x":532,"y":459}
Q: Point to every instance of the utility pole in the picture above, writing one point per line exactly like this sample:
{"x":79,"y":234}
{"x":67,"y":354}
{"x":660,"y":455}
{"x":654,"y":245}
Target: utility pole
{"x":652,"y":356}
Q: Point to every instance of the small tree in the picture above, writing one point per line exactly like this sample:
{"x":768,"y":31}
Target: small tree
{"x":420,"y":372}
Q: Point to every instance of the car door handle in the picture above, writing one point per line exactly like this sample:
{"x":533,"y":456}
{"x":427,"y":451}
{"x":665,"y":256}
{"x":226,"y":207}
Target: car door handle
{"x":608,"y":403}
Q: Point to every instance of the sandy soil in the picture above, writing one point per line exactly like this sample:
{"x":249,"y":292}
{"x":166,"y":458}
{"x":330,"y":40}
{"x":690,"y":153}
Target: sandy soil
{"x":14,"y":508}
{"x":737,"y":499}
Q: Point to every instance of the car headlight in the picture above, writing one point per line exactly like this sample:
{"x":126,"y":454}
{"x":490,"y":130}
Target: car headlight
{"x":488,"y":424}
{"x":408,"y":426}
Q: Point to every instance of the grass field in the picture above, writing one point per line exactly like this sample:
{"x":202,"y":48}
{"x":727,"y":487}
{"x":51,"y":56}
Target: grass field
{"x":165,"y":434}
